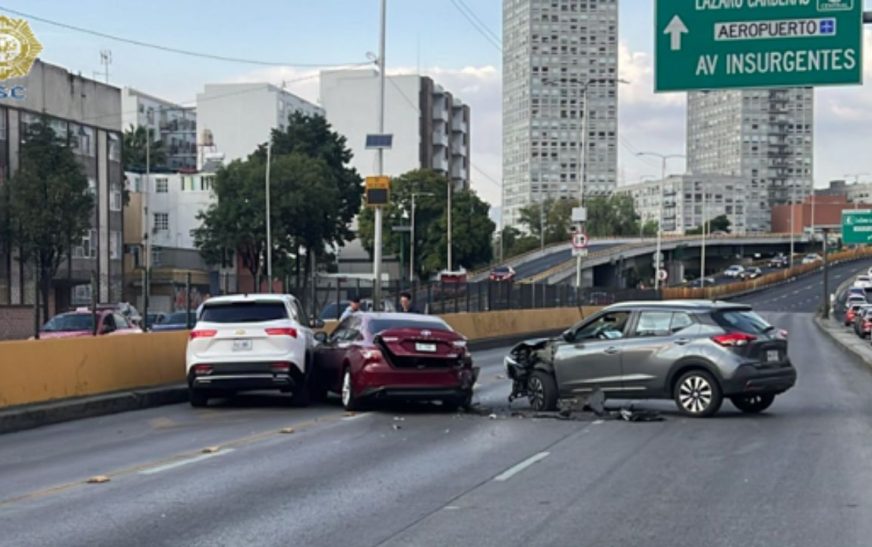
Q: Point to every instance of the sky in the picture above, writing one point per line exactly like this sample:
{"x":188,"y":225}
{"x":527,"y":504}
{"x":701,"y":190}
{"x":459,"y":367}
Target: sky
{"x":430,"y":37}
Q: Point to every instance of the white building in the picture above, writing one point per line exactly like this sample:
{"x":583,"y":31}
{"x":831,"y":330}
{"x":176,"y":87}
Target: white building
{"x":551,"y":50}
{"x":430,"y":126}
{"x":765,"y":136}
{"x":689,"y":200}
{"x":239,"y":117}
{"x":174,"y":125}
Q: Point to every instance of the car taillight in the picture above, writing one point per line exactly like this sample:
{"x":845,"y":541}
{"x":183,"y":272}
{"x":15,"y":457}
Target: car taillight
{"x":459,"y":344}
{"x":202,"y":370}
{"x":371,"y":355}
{"x":280,"y":367}
{"x":204,"y":333}
{"x":783,"y":333}
{"x":734,"y":339}
{"x":282,"y":331}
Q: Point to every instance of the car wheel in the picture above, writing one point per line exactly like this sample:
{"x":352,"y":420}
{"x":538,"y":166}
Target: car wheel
{"x":752,"y":404}
{"x":463,"y":402}
{"x":542,"y":391}
{"x":697,"y":394}
{"x":198,"y":398}
{"x":349,"y":401}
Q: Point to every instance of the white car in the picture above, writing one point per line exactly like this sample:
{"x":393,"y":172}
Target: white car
{"x":734,"y":271}
{"x":811,"y":258}
{"x":863,"y":282}
{"x":249,"y":342}
{"x":869,"y":272}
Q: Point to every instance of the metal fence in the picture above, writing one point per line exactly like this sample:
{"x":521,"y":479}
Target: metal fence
{"x":329,"y":298}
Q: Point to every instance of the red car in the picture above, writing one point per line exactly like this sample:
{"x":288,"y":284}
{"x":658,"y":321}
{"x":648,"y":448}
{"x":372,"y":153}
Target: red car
{"x":378,"y":356}
{"x":502,"y":273}
{"x":81,"y":323}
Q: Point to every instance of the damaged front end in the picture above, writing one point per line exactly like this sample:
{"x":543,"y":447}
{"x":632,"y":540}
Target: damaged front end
{"x":523,"y":359}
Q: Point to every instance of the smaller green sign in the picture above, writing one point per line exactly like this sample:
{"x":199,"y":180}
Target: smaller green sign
{"x":857,"y":227}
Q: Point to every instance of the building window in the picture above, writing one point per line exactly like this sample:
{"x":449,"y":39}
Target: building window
{"x":114,"y":147}
{"x":81,"y":295}
{"x":156,"y":257}
{"x":161,"y":185}
{"x":92,"y":186}
{"x":115,"y":200}
{"x":88,"y":248}
{"x":206,"y":183}
{"x":115,"y":245}
{"x":161,"y":222}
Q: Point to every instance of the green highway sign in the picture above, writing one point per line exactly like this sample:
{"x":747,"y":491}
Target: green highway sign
{"x":720,"y":44}
{"x":857,"y":227}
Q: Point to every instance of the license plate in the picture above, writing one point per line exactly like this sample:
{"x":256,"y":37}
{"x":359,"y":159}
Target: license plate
{"x":242,"y":345}
{"x":429,"y":348}
{"x":772,"y":356}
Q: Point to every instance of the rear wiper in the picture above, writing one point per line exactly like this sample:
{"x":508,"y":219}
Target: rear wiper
{"x":770,"y":328}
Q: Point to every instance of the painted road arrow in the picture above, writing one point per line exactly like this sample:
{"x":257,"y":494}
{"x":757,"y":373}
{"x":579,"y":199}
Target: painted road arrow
{"x":676,"y":28}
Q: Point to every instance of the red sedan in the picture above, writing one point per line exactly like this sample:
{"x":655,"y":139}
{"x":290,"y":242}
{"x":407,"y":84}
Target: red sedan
{"x":502,"y":273}
{"x":378,"y":356}
{"x":81,"y":323}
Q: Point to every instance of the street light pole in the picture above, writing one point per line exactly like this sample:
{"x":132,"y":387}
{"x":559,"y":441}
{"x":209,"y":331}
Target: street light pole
{"x":377,"y":244}
{"x":146,"y":282}
{"x":269,"y":272}
{"x":657,"y":261}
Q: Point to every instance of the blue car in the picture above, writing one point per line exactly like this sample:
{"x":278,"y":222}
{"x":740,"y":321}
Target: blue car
{"x":175,"y":321}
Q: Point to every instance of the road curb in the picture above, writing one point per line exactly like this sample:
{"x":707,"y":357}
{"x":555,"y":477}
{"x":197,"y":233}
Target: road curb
{"x":860,"y":348}
{"x":32,"y":416}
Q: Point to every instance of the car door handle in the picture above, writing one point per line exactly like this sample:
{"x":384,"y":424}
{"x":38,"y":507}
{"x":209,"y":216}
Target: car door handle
{"x":682,"y":341}
{"x":611,"y":350}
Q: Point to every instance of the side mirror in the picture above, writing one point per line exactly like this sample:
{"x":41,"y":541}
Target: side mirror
{"x":321,"y":337}
{"x":316,"y":324}
{"x":568,"y":335}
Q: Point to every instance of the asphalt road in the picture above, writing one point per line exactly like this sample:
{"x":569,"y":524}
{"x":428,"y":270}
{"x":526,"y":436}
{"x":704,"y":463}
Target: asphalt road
{"x":539,"y":265}
{"x":797,"y":475}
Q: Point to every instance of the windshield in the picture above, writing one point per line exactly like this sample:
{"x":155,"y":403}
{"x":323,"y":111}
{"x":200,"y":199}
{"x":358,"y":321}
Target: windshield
{"x":244,"y":312}
{"x":175,"y":318}
{"x":70,"y":322}
{"x":745,"y":321}
{"x":380,"y":325}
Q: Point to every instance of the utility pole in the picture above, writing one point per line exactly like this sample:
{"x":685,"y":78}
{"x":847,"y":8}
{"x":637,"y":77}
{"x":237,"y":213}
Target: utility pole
{"x":825,"y":300}
{"x":377,"y":244}
{"x":657,"y":261}
{"x":702,"y":251}
{"x":450,"y":227}
{"x":269,"y":272}
{"x":792,"y":216}
{"x":146,"y":199}
{"x":106,"y":60}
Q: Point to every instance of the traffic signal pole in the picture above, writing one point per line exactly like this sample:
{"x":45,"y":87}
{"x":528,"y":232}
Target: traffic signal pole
{"x":377,"y":244}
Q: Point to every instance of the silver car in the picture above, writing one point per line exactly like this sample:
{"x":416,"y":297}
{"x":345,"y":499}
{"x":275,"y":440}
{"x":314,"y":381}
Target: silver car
{"x":695,"y":352}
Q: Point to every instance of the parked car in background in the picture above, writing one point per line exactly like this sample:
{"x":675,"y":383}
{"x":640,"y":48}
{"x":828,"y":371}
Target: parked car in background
{"x":863,"y":321}
{"x":371,"y":357}
{"x":811,"y":258}
{"x":751,"y":273}
{"x":153,"y":318}
{"x":502,"y":273}
{"x":779,"y":261}
{"x":250,"y":342}
{"x":80,"y":323}
{"x":863,"y":282}
{"x":851,"y":311}
{"x":126,"y":309}
{"x":694,"y":352}
{"x":734,"y":271}
{"x":703,"y":282}
{"x":179,"y":320}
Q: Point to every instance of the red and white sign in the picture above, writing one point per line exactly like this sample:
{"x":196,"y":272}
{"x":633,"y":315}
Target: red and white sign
{"x":662,"y":275}
{"x":579,"y":240}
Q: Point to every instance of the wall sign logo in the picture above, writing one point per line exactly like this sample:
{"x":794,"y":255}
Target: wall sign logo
{"x":18,"y":48}
{"x":835,"y":5}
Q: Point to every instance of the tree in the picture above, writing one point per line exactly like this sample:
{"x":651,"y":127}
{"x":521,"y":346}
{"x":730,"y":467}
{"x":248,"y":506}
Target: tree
{"x":49,"y":204}
{"x":472,"y":228}
{"x":135,"y":150}
{"x":557,"y":216}
{"x":650,"y":228}
{"x":313,"y":198}
{"x":718,"y":224}
{"x":612,"y":216}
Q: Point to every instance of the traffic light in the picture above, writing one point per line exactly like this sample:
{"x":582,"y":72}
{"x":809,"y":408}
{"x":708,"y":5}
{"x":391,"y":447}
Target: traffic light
{"x":378,"y":191}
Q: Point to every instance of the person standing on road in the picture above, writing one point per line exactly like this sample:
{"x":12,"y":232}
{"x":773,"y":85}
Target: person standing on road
{"x":353,"y":307}
{"x":406,"y":305}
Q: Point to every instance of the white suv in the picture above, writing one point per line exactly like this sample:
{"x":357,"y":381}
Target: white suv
{"x":734,"y":271}
{"x":249,"y":342}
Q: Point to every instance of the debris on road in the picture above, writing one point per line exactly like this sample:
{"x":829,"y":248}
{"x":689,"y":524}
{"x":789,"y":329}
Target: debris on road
{"x":492,"y":416}
{"x":397,"y":427}
{"x":629,"y":414}
{"x":210,"y":449}
{"x":287,"y":430}
{"x":99,"y":479}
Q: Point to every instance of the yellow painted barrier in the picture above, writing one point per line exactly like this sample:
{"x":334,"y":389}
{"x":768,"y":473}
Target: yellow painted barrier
{"x":43,"y":370}
{"x":36,"y":371}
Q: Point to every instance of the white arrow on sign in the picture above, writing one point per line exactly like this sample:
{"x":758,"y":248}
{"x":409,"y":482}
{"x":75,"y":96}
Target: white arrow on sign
{"x":676,"y":28}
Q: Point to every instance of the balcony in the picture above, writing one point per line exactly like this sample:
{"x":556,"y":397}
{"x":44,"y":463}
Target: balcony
{"x":440,"y":163}
{"x":440,"y":112}
{"x":458,"y":124}
{"x":457,"y":147}
{"x":458,"y":171}
{"x":440,"y":138}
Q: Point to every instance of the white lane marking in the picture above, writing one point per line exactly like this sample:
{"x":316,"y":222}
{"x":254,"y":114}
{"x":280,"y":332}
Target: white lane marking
{"x":515,"y":469}
{"x":180,"y":463}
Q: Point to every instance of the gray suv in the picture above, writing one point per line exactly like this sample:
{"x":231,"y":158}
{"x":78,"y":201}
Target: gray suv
{"x":695,"y":352}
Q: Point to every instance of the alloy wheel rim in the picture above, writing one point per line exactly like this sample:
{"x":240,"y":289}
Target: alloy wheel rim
{"x":537,"y":393}
{"x":695,"y":394}
{"x":346,"y":388}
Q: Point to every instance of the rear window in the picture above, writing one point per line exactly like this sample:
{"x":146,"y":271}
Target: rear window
{"x":380,"y":325}
{"x":745,"y":321}
{"x":69,"y":323}
{"x":244,"y":312}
